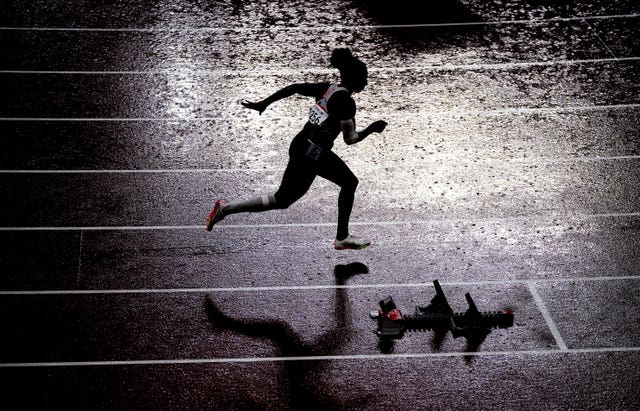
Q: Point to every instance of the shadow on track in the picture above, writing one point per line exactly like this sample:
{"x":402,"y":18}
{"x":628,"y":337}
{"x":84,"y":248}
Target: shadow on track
{"x":440,"y":14}
{"x":306,"y":392}
{"x":438,"y":317}
{"x":416,"y":11}
{"x":387,"y":346}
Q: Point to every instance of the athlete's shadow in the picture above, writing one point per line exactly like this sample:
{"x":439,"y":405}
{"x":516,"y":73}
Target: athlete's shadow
{"x":387,"y":346}
{"x":306,"y":392}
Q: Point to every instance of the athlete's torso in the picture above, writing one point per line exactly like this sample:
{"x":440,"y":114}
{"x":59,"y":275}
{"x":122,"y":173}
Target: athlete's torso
{"x":323,"y":126}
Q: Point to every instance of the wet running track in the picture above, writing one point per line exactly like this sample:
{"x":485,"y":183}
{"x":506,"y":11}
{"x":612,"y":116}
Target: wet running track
{"x":509,"y":170}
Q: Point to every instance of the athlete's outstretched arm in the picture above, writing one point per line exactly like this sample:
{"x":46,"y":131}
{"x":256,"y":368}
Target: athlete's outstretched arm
{"x":305,"y":89}
{"x":351,"y":136}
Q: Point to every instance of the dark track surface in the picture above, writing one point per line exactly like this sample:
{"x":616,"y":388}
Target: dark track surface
{"x":509,"y":170}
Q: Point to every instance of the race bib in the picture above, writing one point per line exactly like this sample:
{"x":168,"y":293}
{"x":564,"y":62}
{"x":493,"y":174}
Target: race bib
{"x":317,"y":115}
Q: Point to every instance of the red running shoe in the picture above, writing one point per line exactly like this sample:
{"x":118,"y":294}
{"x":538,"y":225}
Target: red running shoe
{"x":216,"y":214}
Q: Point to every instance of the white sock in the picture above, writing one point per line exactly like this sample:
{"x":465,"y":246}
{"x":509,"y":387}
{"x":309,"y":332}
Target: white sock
{"x":263,"y":203}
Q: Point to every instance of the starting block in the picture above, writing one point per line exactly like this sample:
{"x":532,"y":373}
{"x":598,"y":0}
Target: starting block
{"x":438,"y":315}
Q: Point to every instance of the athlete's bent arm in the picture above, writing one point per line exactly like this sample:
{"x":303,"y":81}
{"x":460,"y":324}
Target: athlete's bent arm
{"x":351,"y":136}
{"x":305,"y":89}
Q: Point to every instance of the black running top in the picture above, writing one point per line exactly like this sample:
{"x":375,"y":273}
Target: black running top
{"x":333,"y":105}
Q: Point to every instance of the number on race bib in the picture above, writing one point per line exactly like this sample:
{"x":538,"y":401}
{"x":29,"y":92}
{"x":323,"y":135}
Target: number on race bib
{"x":317,"y":115}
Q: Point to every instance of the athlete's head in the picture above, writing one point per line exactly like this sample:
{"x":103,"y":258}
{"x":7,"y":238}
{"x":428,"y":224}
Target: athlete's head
{"x":353,"y":72}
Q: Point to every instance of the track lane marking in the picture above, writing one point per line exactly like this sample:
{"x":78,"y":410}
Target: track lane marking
{"x":525,"y":161}
{"x":600,"y":39}
{"x":224,"y":72}
{"x":326,"y":28}
{"x":444,"y":113}
{"x":547,"y":316}
{"x":354,"y":223}
{"x":526,"y":282}
{"x":232,"y":360}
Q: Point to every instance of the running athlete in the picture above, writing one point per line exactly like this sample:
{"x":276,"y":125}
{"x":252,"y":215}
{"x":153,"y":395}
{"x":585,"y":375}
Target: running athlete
{"x":310,"y":152}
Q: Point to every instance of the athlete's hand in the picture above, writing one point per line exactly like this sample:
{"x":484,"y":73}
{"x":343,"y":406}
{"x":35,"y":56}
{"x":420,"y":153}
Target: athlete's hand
{"x":259,"y":106}
{"x":378,"y":126}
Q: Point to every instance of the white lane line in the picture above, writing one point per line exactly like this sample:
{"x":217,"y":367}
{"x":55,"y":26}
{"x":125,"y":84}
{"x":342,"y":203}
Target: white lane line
{"x":547,"y":316}
{"x":252,"y":73}
{"x":323,"y":28}
{"x":149,"y":227}
{"x":444,"y":113}
{"x":329,"y":287}
{"x":144,"y":171}
{"x":600,"y":39}
{"x":553,"y":217}
{"x":346,"y":357}
{"x":503,"y":66}
{"x":533,"y":110}
{"x":79,"y":270}
{"x":525,"y":161}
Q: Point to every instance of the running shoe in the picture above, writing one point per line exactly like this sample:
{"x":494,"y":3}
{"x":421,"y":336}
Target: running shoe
{"x":216,"y":214}
{"x":351,"y":243}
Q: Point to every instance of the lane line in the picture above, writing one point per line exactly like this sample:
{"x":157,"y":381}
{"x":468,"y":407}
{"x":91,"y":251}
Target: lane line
{"x":346,"y":357}
{"x":600,"y":39}
{"x":444,"y":113}
{"x":547,"y":316}
{"x":525,"y":161}
{"x":503,"y":66}
{"x":327,"y":287}
{"x":325,"y":28}
{"x":563,"y":348}
{"x":79,"y":270}
{"x":252,"y":73}
{"x":553,"y":217}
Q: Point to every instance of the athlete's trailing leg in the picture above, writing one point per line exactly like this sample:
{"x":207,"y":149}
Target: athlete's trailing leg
{"x":221,"y":208}
{"x":296,"y":180}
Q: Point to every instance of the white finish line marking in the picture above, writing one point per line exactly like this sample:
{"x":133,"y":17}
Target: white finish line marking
{"x":353,"y":357}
